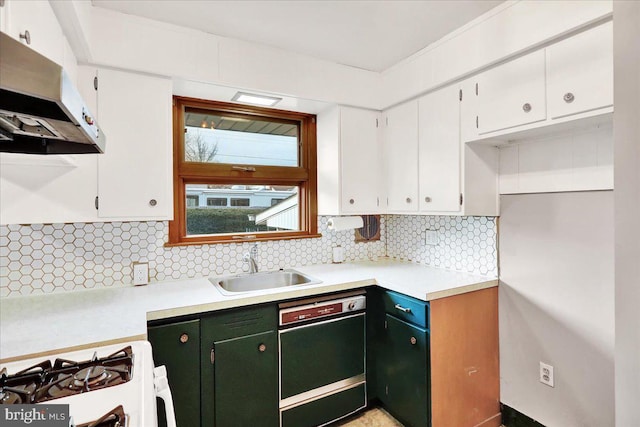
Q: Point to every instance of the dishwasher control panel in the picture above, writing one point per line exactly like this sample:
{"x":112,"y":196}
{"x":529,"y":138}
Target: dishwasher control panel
{"x":321,"y":310}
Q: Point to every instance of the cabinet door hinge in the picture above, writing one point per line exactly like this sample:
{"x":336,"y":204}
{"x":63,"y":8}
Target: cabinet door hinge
{"x":212,"y":356}
{"x":460,"y":94}
{"x":376,"y":122}
{"x":476,"y":122}
{"x":95,"y":82}
{"x":386,"y":390}
{"x":461,"y":199}
{"x":476,"y":88}
{"x":377,"y":201}
{"x":386,"y":120}
{"x":96,"y":203}
{"x":385,"y":324}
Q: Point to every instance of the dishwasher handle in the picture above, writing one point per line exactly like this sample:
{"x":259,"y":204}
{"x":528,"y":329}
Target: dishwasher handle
{"x":403,"y":309}
{"x":161,"y":385}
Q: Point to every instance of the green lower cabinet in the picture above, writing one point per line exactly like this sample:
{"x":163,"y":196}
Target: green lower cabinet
{"x":402,"y":371}
{"x":177,"y":346}
{"x":239,"y":366}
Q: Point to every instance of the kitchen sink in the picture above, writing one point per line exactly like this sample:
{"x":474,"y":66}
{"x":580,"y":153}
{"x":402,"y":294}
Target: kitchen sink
{"x":249,"y":282}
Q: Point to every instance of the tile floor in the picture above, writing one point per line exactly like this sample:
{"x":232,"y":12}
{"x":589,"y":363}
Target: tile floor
{"x":374,"y":417}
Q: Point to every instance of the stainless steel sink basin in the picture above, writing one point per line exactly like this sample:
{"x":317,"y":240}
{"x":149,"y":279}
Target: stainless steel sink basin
{"x":231,"y":285}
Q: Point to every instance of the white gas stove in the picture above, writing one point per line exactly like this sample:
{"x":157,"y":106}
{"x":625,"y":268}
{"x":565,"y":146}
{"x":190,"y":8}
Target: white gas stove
{"x":93,"y":382}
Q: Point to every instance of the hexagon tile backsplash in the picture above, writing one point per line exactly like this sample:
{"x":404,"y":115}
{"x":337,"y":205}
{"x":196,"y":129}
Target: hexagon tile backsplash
{"x":465,"y":243}
{"x":46,"y":258}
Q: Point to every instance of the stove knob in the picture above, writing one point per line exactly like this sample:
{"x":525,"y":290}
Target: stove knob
{"x":352,"y":306}
{"x":184,"y":338}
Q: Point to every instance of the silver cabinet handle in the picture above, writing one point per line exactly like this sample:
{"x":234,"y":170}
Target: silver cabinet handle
{"x":427,"y":199}
{"x":413,"y":340}
{"x":526,"y":107}
{"x":408,"y":200}
{"x":262,"y":348}
{"x":403,"y":309}
{"x":568,"y":97}
{"x":184,"y":338}
{"x":351,"y":201}
{"x":153,"y":202}
{"x":26,"y":36}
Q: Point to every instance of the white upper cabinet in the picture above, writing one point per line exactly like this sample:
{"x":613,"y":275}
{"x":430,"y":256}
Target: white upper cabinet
{"x":439,"y":151}
{"x":580,"y":72}
{"x":401,"y":157}
{"x":34,"y":24}
{"x":512,"y":94}
{"x":135,"y":173}
{"x":349,"y":177}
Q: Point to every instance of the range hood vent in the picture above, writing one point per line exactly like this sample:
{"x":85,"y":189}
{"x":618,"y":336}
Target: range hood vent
{"x":41,"y":111}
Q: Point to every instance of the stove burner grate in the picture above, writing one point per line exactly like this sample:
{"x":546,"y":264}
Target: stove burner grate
{"x":64,"y":378}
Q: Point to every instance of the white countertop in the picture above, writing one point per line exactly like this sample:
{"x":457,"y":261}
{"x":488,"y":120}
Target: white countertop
{"x":44,"y":323}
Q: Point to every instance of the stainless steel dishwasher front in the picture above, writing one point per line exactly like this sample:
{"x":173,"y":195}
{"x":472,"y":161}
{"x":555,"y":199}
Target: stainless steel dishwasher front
{"x":322,"y":360}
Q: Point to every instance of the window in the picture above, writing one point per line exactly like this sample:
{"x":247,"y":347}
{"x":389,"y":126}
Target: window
{"x":192,"y":201}
{"x":255,"y":167}
{"x":239,"y":202}
{"x":216,"y":201}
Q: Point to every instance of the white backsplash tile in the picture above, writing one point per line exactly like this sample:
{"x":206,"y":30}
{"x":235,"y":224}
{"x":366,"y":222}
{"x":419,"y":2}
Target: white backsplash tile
{"x":47,"y":258}
{"x":464,"y":243}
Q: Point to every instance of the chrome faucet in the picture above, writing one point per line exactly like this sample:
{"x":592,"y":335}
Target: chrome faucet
{"x":251,"y":258}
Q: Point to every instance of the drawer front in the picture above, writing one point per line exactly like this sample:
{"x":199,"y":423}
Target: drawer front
{"x":406,"y":308}
{"x":322,"y":411}
{"x":241,"y":322}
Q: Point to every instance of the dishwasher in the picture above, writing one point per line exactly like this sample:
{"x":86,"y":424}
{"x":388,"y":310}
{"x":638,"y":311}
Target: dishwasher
{"x":322,"y":359}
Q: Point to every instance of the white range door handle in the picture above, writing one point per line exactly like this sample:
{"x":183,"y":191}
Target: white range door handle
{"x":163,"y":391}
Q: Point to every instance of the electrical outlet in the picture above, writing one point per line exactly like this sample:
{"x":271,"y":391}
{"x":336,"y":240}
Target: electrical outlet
{"x":140,"y":273}
{"x":546,"y":374}
{"x":431,"y":237}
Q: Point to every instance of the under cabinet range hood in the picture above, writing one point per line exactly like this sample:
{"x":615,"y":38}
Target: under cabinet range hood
{"x":41,"y":111}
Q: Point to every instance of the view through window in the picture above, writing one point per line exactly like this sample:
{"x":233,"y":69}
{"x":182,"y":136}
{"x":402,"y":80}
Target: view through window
{"x":242,"y":172}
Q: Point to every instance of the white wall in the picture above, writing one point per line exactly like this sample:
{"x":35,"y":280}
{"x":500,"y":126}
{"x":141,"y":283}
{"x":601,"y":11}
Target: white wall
{"x":626,"y":42}
{"x":557,"y":306}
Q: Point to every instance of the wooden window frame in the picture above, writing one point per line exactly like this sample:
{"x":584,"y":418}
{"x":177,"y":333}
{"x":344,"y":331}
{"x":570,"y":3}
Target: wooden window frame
{"x":304,"y":176}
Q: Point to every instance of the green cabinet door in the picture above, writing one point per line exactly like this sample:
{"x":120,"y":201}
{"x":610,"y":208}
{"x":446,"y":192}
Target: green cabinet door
{"x":246,"y":381}
{"x":402,"y":372}
{"x":177,"y":346}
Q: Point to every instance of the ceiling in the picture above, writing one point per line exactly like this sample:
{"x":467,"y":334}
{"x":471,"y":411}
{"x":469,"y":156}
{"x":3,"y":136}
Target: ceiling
{"x":371,"y":35}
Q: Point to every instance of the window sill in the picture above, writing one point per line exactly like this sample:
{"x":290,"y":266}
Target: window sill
{"x":201,"y":241}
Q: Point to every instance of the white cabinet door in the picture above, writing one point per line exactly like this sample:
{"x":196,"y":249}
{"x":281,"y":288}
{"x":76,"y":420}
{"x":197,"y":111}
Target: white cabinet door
{"x":37,"y":18}
{"x":580,"y":72}
{"x":134,"y":173}
{"x":439,"y":151}
{"x":360,"y":161}
{"x":401,"y":157}
{"x":512,"y":94}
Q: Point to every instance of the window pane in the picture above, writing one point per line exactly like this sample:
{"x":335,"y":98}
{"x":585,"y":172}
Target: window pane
{"x":227,"y":208}
{"x":217,"y":138}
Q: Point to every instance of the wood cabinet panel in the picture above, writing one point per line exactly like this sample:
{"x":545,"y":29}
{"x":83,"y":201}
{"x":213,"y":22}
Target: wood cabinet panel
{"x":177,"y":346}
{"x":135,"y":173}
{"x":512,"y":94}
{"x":580,"y":72}
{"x":439,"y":151}
{"x":465,"y":368}
{"x":401,"y":157}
